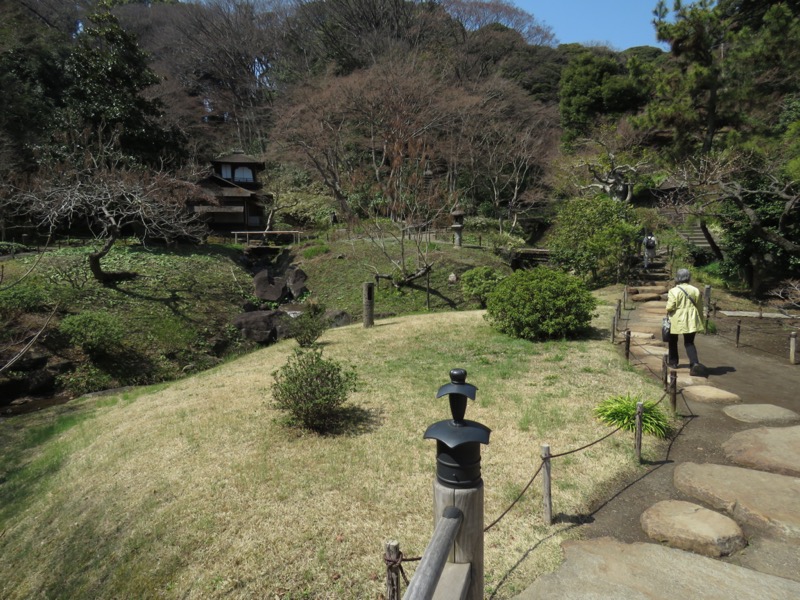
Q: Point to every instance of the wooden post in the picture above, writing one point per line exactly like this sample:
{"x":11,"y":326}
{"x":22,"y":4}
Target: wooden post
{"x":665,"y":371}
{"x":369,"y":304}
{"x":793,"y":348}
{"x":428,"y":290}
{"x":673,"y":390}
{"x":638,"y":439}
{"x":707,"y":299}
{"x":628,"y":344}
{"x":547,"y":498}
{"x":468,"y":545}
{"x":392,"y":559}
{"x":625,"y":298}
{"x":619,"y":309}
{"x":738,"y":331}
{"x":614,"y":329}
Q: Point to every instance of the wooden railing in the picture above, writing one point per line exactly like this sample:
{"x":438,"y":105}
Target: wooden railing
{"x":424,"y":584}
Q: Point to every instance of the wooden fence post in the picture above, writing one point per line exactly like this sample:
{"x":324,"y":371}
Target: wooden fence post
{"x":738,"y":331}
{"x":547,"y":499}
{"x":614,"y":329}
{"x":628,"y":344}
{"x":793,"y":348}
{"x":392,"y":559}
{"x":625,"y":298}
{"x":369,"y":304}
{"x":673,"y":390}
{"x":638,"y":439}
{"x":664,"y":370}
{"x":619,"y":309}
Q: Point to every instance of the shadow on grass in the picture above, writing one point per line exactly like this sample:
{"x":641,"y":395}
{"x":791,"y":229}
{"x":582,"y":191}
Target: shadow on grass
{"x":353,"y":420}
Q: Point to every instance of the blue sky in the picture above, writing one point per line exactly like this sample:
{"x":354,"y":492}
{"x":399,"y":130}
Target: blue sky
{"x":619,"y":23}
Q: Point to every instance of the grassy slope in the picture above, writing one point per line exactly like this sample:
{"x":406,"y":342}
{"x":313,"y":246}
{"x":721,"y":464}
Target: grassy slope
{"x":195,"y":491}
{"x":337,"y":277}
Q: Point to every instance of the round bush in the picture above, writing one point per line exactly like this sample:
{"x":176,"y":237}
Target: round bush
{"x":96,"y":332}
{"x":479,"y":282}
{"x":312,"y":389}
{"x":540,"y":304}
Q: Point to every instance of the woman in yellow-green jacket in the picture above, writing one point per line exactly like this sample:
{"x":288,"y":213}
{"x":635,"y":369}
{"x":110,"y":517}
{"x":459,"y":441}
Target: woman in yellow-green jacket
{"x":685,"y":311}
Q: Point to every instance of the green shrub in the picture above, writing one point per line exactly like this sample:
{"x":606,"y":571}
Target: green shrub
{"x":307,"y":328}
{"x":620,"y":411}
{"x":84,"y":379}
{"x":25,"y":298}
{"x":314,"y":251}
{"x":540,"y":304}
{"x":479,"y":282}
{"x":312,"y":389}
{"x":96,"y":332}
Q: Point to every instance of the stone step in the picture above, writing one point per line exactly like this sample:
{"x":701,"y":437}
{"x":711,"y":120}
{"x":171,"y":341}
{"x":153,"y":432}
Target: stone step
{"x":773,"y":449}
{"x":606,"y":568}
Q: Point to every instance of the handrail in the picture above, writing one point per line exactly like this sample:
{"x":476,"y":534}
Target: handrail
{"x":423,"y":584}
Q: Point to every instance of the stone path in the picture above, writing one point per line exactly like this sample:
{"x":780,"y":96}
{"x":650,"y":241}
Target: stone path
{"x":741,"y":503}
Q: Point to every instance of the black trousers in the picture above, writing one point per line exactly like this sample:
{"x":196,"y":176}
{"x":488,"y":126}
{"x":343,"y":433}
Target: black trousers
{"x":688,"y":344}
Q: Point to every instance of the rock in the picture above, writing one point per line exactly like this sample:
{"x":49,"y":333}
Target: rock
{"x":249,"y":306}
{"x":269,"y":288}
{"x":338,"y":318}
{"x":691,"y":527}
{"x":757,"y":498}
{"x":764,"y":414}
{"x":776,"y":449}
{"x":263,"y":326}
{"x":452,"y":279}
{"x":296,"y":281}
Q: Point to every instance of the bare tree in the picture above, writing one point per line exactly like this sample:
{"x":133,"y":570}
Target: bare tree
{"x":108,"y":196}
{"x":475,"y":14}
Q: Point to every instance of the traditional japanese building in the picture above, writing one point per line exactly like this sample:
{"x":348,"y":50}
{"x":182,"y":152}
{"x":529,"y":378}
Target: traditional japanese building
{"x":240,"y":198}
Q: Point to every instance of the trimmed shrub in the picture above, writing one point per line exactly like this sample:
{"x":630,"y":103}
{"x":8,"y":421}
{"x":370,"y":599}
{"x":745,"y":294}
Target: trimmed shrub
{"x":312,"y":389}
{"x":620,"y":411}
{"x":540,"y":304}
{"x":96,"y":332}
{"x":307,"y":328}
{"x":479,"y":282}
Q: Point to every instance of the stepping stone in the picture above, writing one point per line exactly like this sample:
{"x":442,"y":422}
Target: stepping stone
{"x":775,"y":449}
{"x":685,"y":380}
{"x":658,"y":351}
{"x":655,"y":305}
{"x":771,"y":555}
{"x":709,"y":393}
{"x":691,"y":527}
{"x":755,"y":314}
{"x":757,"y":498}
{"x":606,"y":568}
{"x":763,"y":414}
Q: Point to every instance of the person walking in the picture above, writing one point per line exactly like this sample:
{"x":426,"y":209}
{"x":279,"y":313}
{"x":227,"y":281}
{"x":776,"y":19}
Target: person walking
{"x":649,"y":242}
{"x":685,"y":311}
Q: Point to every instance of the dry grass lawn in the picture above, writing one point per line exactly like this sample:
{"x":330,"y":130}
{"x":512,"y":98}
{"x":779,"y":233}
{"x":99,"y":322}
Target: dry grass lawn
{"x":195,"y":490}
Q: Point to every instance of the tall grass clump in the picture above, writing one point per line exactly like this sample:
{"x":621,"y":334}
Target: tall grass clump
{"x":620,"y":411}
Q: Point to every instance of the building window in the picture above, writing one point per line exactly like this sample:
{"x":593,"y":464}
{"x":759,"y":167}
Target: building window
{"x":226,"y":171}
{"x":243,"y":174}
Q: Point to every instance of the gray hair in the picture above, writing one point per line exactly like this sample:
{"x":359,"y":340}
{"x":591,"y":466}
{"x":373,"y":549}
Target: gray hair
{"x":683,"y":276}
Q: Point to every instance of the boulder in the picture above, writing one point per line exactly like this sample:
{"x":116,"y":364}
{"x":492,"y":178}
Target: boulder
{"x":263,"y":326}
{"x":296,"y":281}
{"x":268,"y":288}
{"x":337,"y":318}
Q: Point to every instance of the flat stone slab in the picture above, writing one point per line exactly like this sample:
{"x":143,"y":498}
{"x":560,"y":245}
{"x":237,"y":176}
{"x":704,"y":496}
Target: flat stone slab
{"x":763,"y":414}
{"x":691,"y":527}
{"x":655,"y":305}
{"x":770,"y":555}
{"x":709,"y":393}
{"x":757,"y":498}
{"x":753,"y":313}
{"x":685,"y":380}
{"x":773,"y":449}
{"x":605,"y":568}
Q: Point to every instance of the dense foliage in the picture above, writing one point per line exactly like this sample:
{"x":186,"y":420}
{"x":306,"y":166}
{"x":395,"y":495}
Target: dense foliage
{"x":541,"y":304}
{"x":620,"y":411}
